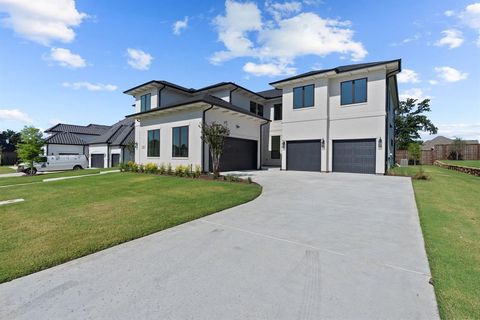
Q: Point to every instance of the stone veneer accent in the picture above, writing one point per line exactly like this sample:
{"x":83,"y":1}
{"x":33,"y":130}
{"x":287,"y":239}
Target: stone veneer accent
{"x":468,"y":170}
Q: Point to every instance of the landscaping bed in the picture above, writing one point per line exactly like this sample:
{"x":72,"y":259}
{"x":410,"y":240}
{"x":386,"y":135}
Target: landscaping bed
{"x":63,"y":220}
{"x":449,"y":212}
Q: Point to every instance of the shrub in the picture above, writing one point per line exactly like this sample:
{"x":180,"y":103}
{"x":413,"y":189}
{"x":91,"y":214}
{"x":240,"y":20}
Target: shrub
{"x":179,"y":170}
{"x":122,"y":166}
{"x":129,"y":166}
{"x":421,"y":175}
{"x":169,"y":169}
{"x":151,"y":168}
{"x":141,"y":168}
{"x":187,"y":171}
{"x":197,"y":172}
{"x":162,"y":169}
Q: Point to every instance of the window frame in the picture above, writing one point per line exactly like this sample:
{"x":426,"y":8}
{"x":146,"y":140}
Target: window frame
{"x":180,"y":141}
{"x":272,"y":152}
{"x":148,"y":143}
{"x":353,"y":91}
{"x":280,"y":107}
{"x":303,"y":97}
{"x":142,"y":108}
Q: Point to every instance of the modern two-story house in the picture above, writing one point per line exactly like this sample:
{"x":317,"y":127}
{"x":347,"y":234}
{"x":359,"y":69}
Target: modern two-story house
{"x":338,"y":119}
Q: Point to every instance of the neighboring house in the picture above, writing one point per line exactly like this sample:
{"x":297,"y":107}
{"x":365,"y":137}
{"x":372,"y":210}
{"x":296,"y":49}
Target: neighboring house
{"x":114,"y":146}
{"x":338,"y":119}
{"x":69,"y":139}
{"x":441,"y":140}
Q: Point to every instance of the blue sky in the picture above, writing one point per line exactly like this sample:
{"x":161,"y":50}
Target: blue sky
{"x":66,"y":61}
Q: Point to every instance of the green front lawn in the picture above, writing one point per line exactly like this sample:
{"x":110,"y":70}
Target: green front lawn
{"x":463,"y":163}
{"x":449,"y":209}
{"x":6,"y":169}
{"x":64,"y":220}
{"x":41,"y":177}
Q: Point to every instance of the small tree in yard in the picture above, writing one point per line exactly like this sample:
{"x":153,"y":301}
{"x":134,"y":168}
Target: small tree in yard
{"x":458,"y":145}
{"x":214,"y":135}
{"x":30,"y":147}
{"x":414,"y":152}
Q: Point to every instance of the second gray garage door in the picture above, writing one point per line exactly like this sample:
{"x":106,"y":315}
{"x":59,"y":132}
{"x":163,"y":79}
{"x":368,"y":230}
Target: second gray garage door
{"x":356,"y":156}
{"x":304,"y":155}
{"x":238,"y":154}
{"x":97,"y":160}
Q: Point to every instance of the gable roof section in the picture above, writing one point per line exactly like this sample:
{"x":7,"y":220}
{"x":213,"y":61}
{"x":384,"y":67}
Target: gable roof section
{"x":271,"y":94}
{"x":65,"y":138}
{"x":117,"y":134}
{"x":206,"y":98}
{"x":91,"y":129}
{"x":339,"y":69}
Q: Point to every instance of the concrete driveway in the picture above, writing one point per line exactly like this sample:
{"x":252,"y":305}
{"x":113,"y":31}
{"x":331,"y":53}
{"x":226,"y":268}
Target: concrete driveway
{"x":312,"y":246}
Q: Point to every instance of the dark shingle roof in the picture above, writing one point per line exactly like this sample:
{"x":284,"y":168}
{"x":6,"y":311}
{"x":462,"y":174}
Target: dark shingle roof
{"x":65,"y":138}
{"x":270,"y":94}
{"x":430,"y":144}
{"x":92,"y":129}
{"x":340,"y":69}
{"x":117,"y":133}
{"x":207,"y":99}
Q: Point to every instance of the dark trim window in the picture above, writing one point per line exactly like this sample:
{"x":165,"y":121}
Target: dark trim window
{"x":303,"y":97}
{"x":256,"y":108}
{"x":277,"y":111}
{"x":153,"y":145}
{"x":180,"y":142}
{"x":275,"y":153}
{"x":354,"y":91}
{"x":145,"y":102}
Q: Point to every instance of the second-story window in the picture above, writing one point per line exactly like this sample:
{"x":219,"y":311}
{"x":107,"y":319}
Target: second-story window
{"x":354,"y":91}
{"x":277,"y":111}
{"x":145,"y":102}
{"x":256,"y":108}
{"x":303,"y":97}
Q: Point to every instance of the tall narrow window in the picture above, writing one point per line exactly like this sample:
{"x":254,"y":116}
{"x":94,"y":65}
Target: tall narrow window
{"x":253,"y":107}
{"x":180,"y":142}
{"x":260,"y":110}
{"x":277,"y":111}
{"x":354,"y":91}
{"x":275,"y":153}
{"x":145,"y":102}
{"x":153,"y":145}
{"x":303,"y":97}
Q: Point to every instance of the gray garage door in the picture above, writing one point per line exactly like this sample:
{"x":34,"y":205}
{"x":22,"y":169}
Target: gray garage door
{"x":97,"y":161}
{"x":304,"y":155}
{"x":356,"y":156}
{"x":238,"y":154}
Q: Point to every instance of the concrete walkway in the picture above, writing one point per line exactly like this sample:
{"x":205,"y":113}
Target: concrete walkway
{"x":312,"y":246}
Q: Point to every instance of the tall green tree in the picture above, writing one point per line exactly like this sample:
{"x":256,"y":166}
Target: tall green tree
{"x":414,"y":152}
{"x":410,"y":119}
{"x":214,"y":135}
{"x":30,"y":146}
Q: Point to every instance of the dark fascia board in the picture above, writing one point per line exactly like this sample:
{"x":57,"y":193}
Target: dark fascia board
{"x":339,"y":70}
{"x":51,"y":128}
{"x":199,"y":99}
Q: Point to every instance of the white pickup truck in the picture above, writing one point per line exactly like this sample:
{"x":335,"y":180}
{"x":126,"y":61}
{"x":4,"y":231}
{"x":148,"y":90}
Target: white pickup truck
{"x":54,"y":163}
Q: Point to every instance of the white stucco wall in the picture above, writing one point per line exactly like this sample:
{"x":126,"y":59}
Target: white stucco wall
{"x":56,"y":149}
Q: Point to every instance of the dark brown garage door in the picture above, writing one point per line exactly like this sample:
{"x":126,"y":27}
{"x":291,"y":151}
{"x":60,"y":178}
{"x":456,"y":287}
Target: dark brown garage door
{"x":238,"y":154}
{"x":356,"y":156}
{"x":304,"y":155}
{"x":97,"y":160}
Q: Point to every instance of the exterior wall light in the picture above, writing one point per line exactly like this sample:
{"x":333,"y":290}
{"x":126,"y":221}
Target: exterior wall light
{"x":379,"y":143}
{"x":283,"y":144}
{"x":136,"y":145}
{"x":322,"y":141}
{"x":237,"y":126}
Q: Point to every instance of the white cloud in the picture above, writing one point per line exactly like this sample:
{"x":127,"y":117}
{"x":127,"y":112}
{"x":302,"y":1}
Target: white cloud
{"x":15,"y":115}
{"x":433,"y":82}
{"x":139,"y":59}
{"x":449,"y":13}
{"x":42,"y":21}
{"x":450,"y":74}
{"x":471,"y":18}
{"x":179,"y":25}
{"x":65,"y":58}
{"x":268,"y":69}
{"x":279,"y":10}
{"x":408,"y":76}
{"x":414,"y":93}
{"x":90,"y":86}
{"x":452,"y":38}
{"x":281,"y":41}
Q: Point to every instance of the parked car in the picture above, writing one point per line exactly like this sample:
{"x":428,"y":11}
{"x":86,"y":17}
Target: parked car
{"x":54,"y":163}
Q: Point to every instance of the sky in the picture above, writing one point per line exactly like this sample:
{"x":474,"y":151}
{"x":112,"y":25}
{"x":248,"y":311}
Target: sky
{"x":70,"y":61}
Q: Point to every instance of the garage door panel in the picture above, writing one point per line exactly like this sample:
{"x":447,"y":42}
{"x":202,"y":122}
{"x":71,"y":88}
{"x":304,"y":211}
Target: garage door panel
{"x":97,"y":161}
{"x":304,"y":155}
{"x":355,"y":156}
{"x":238,"y":154}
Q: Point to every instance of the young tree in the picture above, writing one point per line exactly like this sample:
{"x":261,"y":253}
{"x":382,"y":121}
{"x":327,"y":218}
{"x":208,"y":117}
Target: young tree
{"x":458,"y":146}
{"x":30,"y":147}
{"x":214,"y":135}
{"x":410,"y":120}
{"x":414,"y":152}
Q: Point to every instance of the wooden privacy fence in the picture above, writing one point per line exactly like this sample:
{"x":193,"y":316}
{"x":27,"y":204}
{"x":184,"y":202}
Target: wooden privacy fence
{"x":441,"y":152}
